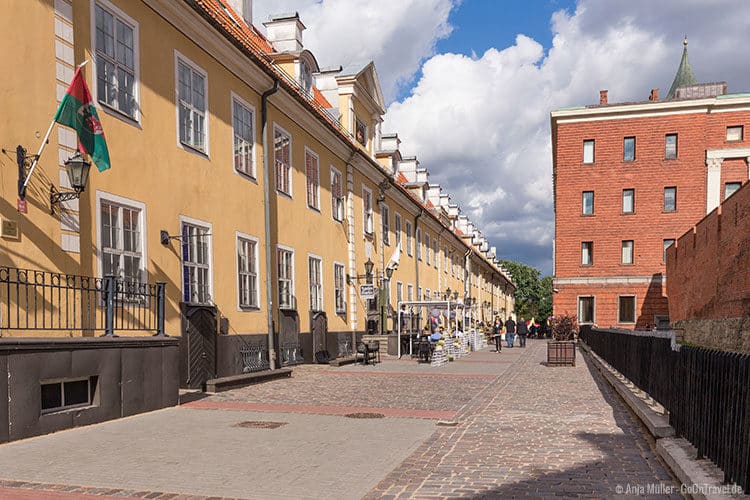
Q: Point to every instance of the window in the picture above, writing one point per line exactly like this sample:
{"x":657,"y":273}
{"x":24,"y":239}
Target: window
{"x":338,"y":288}
{"x":121,"y":240}
{"x":586,"y":310}
{"x":116,"y":58}
{"x":337,"y":195}
{"x":409,"y":292}
{"x":419,"y":293}
{"x":385,"y":223}
{"x":667,"y":244}
{"x":191,"y":99}
{"x":435,"y":252}
{"x":397,"y":230}
{"x":446,"y":260}
{"x":408,"y":239}
{"x":418,"y":244}
{"x":312,"y":173}
{"x":628,"y":201}
{"x":286,"y":278}
{"x":626,"y":309}
{"x":670,"y":199}
{"x":453,"y":264}
{"x":315,"y":278}
{"x":243,"y":120}
{"x":588,"y":203}
{"x":734,"y":133}
{"x":361,"y":132}
{"x":65,"y":394}
{"x":627,"y":252}
{"x":367,"y":210}
{"x":670,"y":146}
{"x":282,"y":144}
{"x":247,"y":271}
{"x":428,"y":248}
{"x":196,"y":263}
{"x":588,"y":151}
{"x":628,"y":149}
{"x":587,"y":253}
{"x":730,"y":188}
{"x":305,"y":76}
{"x":427,"y":294}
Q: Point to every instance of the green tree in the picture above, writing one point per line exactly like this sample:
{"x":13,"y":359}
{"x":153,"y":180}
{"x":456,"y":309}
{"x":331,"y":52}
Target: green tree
{"x":533,"y":293}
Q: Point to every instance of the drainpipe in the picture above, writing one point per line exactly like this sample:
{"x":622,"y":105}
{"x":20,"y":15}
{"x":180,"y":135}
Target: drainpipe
{"x":267,"y":216}
{"x":467,"y":286}
{"x":416,"y":267}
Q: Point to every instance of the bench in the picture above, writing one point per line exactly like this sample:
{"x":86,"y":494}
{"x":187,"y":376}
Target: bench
{"x":235,"y":381}
{"x":370,"y":351}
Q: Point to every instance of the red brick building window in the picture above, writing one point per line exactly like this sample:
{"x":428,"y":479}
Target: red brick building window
{"x":588,"y":151}
{"x":730,"y":188}
{"x":626,"y":309}
{"x":734,"y":133}
{"x":587,"y":253}
{"x":586,"y":310}
{"x":628,"y":149}
{"x":628,"y":201}
{"x":627,"y":251}
{"x":670,"y":146}
{"x":667,"y":244}
{"x":588,"y":203}
{"x":670,"y":199}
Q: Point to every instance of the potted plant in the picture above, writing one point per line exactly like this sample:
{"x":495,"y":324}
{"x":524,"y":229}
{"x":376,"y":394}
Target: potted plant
{"x":561,"y":350}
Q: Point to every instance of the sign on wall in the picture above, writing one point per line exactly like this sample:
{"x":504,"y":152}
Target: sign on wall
{"x":367,"y":291}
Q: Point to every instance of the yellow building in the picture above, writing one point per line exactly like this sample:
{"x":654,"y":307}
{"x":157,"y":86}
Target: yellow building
{"x":235,"y":159}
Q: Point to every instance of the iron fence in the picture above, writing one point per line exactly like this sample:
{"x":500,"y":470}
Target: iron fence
{"x":344,"y":346}
{"x":705,"y":391}
{"x":254,"y":358}
{"x":45,"y":301}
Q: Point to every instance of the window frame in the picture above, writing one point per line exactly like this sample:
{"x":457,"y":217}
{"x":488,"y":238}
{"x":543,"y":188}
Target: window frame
{"x":625,"y":140}
{"x":91,"y":399}
{"x":579,"y":309}
{"x":242,"y":237}
{"x":592,"y":142}
{"x":187,"y":146}
{"x":368,"y":217}
{"x":664,"y":251}
{"x":189,"y":221}
{"x":291,"y":305}
{"x":409,"y":292}
{"x":741,"y":129}
{"x":312,"y":183}
{"x":583,"y":203}
{"x":664,"y":205}
{"x":589,"y":245}
{"x":397,"y":228}
{"x":726,"y":187}
{"x":385,"y":223}
{"x":236,"y":99}
{"x":428,"y":248}
{"x":667,"y":155}
{"x":315,"y":288}
{"x":337,"y":204}
{"x":620,"y":320}
{"x":418,"y":243}
{"x":408,"y":231}
{"x":632,"y":201}
{"x":339,"y":293}
{"x":623,"y":246}
{"x":112,"y":199}
{"x":288,"y":170}
{"x":435,"y":252}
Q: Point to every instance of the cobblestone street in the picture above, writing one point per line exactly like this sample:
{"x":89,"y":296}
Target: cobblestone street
{"x":523,"y":429}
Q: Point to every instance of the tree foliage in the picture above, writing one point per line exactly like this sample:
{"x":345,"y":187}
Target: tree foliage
{"x":533,"y":293}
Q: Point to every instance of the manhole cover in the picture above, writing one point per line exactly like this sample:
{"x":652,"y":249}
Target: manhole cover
{"x":364,"y":415}
{"x":258,"y":424}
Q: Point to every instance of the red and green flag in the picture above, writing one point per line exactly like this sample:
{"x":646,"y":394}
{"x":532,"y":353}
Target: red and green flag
{"x":77,"y":111}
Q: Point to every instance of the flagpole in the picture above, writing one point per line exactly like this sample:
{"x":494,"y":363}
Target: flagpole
{"x":45,"y":140}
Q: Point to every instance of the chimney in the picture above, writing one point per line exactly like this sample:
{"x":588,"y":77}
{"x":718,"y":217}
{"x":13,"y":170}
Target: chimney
{"x":243,"y":8}
{"x":602,"y":97}
{"x":284,"y":31}
{"x":654,"y":96}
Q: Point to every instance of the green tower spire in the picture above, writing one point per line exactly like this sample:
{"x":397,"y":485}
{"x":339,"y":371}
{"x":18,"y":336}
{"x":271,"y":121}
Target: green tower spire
{"x":684,"y":76}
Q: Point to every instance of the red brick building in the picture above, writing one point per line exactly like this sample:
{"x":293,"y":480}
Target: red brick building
{"x":629,"y":179}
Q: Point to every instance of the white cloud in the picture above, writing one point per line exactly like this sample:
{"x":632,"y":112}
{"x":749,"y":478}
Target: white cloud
{"x":397,"y":34}
{"x":481,"y":124}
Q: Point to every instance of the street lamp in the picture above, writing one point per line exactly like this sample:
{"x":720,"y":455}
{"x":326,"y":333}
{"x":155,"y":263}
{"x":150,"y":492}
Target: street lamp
{"x":368,"y":270}
{"x":78,"y":173}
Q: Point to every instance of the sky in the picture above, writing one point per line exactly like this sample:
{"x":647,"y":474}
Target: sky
{"x":470,"y":84}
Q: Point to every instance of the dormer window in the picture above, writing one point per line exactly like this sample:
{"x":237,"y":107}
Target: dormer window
{"x":305,"y":76}
{"x":361,"y":132}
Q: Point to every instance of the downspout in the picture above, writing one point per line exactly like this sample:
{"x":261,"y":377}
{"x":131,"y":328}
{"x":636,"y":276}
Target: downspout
{"x":267,"y":218}
{"x":416,"y":267}
{"x":351,"y":247}
{"x":467,"y":285}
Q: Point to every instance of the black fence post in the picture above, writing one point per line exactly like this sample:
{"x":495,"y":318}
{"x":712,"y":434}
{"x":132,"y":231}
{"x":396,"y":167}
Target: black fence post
{"x":109,"y":306}
{"x":160,"y":298}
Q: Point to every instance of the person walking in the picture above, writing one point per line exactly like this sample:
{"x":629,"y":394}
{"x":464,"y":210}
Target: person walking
{"x":510,"y":331}
{"x":497,"y":333}
{"x":523,"y":330}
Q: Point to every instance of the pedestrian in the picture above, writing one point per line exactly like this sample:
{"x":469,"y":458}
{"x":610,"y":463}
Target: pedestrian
{"x":497,"y":333}
{"x":533,"y":330}
{"x":510,"y":330}
{"x":523,"y":330}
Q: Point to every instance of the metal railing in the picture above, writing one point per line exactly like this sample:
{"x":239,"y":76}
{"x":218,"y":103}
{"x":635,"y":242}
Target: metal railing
{"x":254,"y":358}
{"x":45,"y":301}
{"x":705,"y":391}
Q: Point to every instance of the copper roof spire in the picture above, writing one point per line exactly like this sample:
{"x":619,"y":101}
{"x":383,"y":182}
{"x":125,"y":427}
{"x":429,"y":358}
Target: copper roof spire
{"x":684,"y":76}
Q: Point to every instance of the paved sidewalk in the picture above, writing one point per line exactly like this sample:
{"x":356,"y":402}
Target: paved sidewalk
{"x":523,"y":429}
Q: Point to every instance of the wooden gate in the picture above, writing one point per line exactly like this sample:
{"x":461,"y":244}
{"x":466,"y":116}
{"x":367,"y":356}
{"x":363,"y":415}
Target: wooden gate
{"x":291,"y":351}
{"x":200,"y":335}
{"x":319,"y":329}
